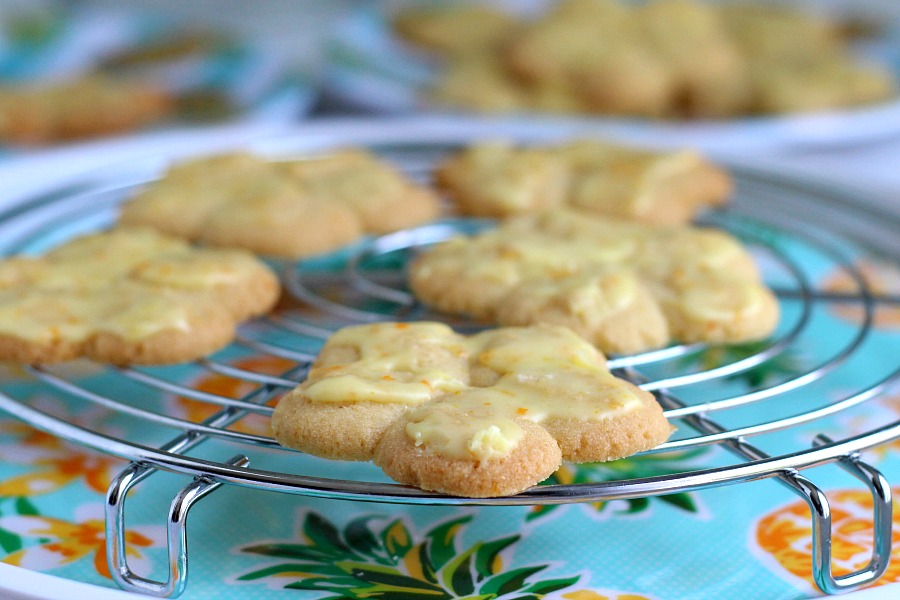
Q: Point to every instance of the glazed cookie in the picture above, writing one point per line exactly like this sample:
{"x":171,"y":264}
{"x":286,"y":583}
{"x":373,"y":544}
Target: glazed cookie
{"x":624,"y":286}
{"x":282,"y":209}
{"x":497,"y":179}
{"x":129,"y":295}
{"x":484,"y":415}
{"x":80,"y":108}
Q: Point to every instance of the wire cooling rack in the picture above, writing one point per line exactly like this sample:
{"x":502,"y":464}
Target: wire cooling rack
{"x":797,"y":231}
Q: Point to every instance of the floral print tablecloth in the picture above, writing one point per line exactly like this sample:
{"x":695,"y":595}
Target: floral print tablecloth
{"x":739,"y":541}
{"x":734,"y":542}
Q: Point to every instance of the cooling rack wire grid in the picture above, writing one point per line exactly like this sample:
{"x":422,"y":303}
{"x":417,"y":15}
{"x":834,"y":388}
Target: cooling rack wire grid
{"x":796,"y":230}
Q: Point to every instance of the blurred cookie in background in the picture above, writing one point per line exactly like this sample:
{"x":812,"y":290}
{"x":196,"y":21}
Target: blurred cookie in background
{"x":662,"y":58}
{"x":85,"y":107}
{"x":71,"y":72}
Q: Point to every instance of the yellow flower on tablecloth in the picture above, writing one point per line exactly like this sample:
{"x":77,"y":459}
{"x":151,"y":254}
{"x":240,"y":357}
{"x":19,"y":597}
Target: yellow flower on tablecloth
{"x":67,"y":542}
{"x":786,"y":536}
{"x":58,"y":472}
{"x":231,"y":387}
{"x":881,"y":278}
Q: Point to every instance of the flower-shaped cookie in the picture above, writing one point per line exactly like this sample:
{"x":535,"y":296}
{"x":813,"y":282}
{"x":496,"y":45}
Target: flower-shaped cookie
{"x":287,"y":209}
{"x":483,"y":415}
{"x":623,"y":286}
{"x":129,"y":295}
{"x":497,"y":179}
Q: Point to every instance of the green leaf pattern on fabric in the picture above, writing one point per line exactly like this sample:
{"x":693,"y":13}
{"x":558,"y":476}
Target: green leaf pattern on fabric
{"x":635,"y":467}
{"x":10,"y":542}
{"x":361,"y":561}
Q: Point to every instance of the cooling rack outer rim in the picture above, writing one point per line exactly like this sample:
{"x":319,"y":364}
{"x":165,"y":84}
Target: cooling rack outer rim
{"x":383,"y":492}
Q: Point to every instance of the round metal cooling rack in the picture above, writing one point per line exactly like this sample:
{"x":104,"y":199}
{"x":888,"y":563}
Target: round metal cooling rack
{"x":798,"y":231}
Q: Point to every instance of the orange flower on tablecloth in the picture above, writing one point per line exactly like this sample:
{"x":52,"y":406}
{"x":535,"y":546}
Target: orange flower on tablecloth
{"x":58,"y":463}
{"x":786,"y":536}
{"x":882,"y":278}
{"x":67,"y":542}
{"x":231,"y":387}
{"x":28,"y":435}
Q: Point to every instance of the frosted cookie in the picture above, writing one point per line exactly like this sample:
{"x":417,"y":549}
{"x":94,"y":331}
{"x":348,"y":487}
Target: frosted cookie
{"x":624,"y":286}
{"x":129,"y":295}
{"x":484,"y":415}
{"x":281,"y":209}
{"x":81,"y":108}
{"x":498,"y":179}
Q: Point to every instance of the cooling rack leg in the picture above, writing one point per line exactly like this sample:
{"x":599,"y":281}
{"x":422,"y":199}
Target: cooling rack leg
{"x":116,"y":550}
{"x":818,"y":504}
{"x":821,"y":526}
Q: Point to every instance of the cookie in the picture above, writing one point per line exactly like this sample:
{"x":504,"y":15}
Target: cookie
{"x":625,"y":287}
{"x":709,"y":74}
{"x":285,"y":209}
{"x":498,"y":179}
{"x":454,"y":29}
{"x":128,"y":296}
{"x":819,"y":84}
{"x":81,"y":108}
{"x":592,"y":49}
{"x":484,"y":415}
{"x":479,"y":81}
{"x":785,"y":76}
{"x":670,"y":59}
